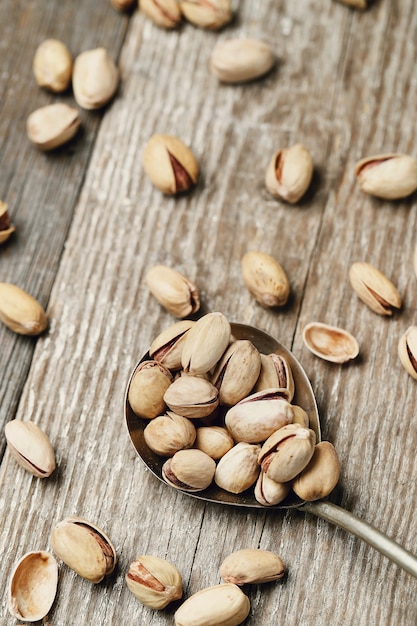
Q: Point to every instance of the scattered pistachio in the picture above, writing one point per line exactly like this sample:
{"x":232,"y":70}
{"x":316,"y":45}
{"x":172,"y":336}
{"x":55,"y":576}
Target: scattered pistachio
{"x":321,"y":474}
{"x":251,"y":566}
{"x":30,"y":447}
{"x":154,"y":581}
{"x":265,"y":279}
{"x":330,"y":343}
{"x":241,"y":60}
{"x":20,"y":312}
{"x":173,"y":291}
{"x":211,"y":14}
{"x":95,"y":78}
{"x":388,"y":176}
{"x":169,"y":164}
{"x":221,"y":605}
{"x":289,"y":173}
{"x":52,"y":125}
{"x":6,"y":228}
{"x":407,"y":350}
{"x":52,"y":65}
{"x":374,"y":288}
{"x":32,"y":587}
{"x":164,"y":13}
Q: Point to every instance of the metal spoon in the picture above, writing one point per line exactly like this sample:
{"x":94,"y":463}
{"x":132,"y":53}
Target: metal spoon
{"x":304,"y":397}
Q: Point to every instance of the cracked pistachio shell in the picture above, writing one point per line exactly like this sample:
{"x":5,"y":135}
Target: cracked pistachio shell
{"x":6,"y":228}
{"x":241,"y":60}
{"x":32,"y":587}
{"x":147,"y":388}
{"x":52,"y":65}
{"x":330,"y":342}
{"x":84,"y":547}
{"x":166,"y":434}
{"x":237,"y":371}
{"x":163,"y":13}
{"x":210,"y":14}
{"x":166,"y":348}
{"x":95,"y":78}
{"x":257,"y":416}
{"x":205,"y":343}
{"x":189,"y":470}
{"x":154,"y":581}
{"x":321,"y":474}
{"x":265,"y":279}
{"x":192,"y":396}
{"x":251,"y":566}
{"x":388,"y":176}
{"x":52,"y":125}
{"x":407,"y":351}
{"x":214,"y":441}
{"x":275,"y":372}
{"x":287,"y":452}
{"x":221,"y":605}
{"x":268,"y":492}
{"x":238,"y":469}
{"x":374,"y":288}
{"x":169,"y":164}
{"x":30,"y":447}
{"x":289,"y":173}
{"x":20,"y":312}
{"x":173,"y":291}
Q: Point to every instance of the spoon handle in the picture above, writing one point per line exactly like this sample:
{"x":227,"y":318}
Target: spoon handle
{"x":375,"y":538}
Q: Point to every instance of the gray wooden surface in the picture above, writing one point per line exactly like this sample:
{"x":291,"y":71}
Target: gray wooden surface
{"x":88,"y":226}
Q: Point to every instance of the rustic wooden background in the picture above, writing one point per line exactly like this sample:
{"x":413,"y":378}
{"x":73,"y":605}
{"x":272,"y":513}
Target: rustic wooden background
{"x":88,"y":226}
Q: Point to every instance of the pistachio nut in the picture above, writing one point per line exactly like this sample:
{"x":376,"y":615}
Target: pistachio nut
{"x":20,"y":312}
{"x":221,"y":605}
{"x":84,"y":547}
{"x":330,"y":342}
{"x":275,"y":372}
{"x":95,"y":78}
{"x":265,"y":279}
{"x":166,"y":348}
{"x":6,"y":228}
{"x":257,"y":416}
{"x":268,"y":492}
{"x":214,"y":441}
{"x":173,"y":290}
{"x":189,"y":470}
{"x":388,"y":176}
{"x":30,"y":447}
{"x":52,"y":125}
{"x":147,"y":388}
{"x":52,"y":65}
{"x":287,"y":452}
{"x":251,"y":566}
{"x":321,"y":474}
{"x":192,"y":396}
{"x":407,"y":350}
{"x":205,"y":343}
{"x":237,"y":371}
{"x":163,"y":13}
{"x":374,"y":288}
{"x":300,"y":416}
{"x":289,"y":173}
{"x":211,"y":14}
{"x":32,"y":587}
{"x":154,"y":581}
{"x":166,"y":434}
{"x":238,"y":469}
{"x":170,"y":165}
{"x":241,"y":60}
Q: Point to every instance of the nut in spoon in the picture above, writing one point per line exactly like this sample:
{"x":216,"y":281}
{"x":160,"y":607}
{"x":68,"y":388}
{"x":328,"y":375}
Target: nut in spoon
{"x":304,"y":397}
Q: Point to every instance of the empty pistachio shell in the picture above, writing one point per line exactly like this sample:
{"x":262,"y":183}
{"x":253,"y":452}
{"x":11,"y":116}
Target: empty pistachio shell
{"x":251,"y":566}
{"x":164,"y":13}
{"x":221,"y":605}
{"x":173,"y":290}
{"x":265,"y":279}
{"x":374,"y":288}
{"x":52,"y":125}
{"x":170,"y":165}
{"x":52,"y":65}
{"x":95,"y":78}
{"x":192,"y":396}
{"x":287,"y":452}
{"x":6,"y":228}
{"x":146,"y":391}
{"x":211,"y":14}
{"x":30,"y":447}
{"x":84,"y":547}
{"x":330,"y":343}
{"x":241,"y":60}
{"x":189,"y":470}
{"x":154,"y":581}
{"x":33,"y":586}
{"x":205,"y":343}
{"x":289,"y":173}
{"x":166,"y":348}
{"x":214,"y":441}
{"x":166,"y":434}
{"x":388,"y":176}
{"x":320,"y":476}
{"x":268,"y":492}
{"x":238,"y":469}
{"x":407,"y":350}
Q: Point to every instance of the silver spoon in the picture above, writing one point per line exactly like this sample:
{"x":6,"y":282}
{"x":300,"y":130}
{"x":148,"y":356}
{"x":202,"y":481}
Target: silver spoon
{"x":304,"y":397}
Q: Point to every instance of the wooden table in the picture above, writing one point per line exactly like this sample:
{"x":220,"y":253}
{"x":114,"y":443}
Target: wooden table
{"x":89,"y":225}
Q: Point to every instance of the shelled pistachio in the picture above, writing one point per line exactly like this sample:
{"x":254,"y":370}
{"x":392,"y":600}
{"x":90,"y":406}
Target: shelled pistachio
{"x":30,"y":447}
{"x":169,"y":164}
{"x":374,"y":288}
{"x":388,"y":176}
{"x":20,"y":311}
{"x":289,"y":173}
{"x":147,"y":388}
{"x":265,"y":279}
{"x":174,"y":292}
{"x":154,"y":581}
{"x":252,"y":566}
{"x":52,"y":125}
{"x":241,"y":60}
{"x":52,"y":65}
{"x":95,"y":78}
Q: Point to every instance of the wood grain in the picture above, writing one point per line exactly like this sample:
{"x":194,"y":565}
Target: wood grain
{"x":90,"y":225}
